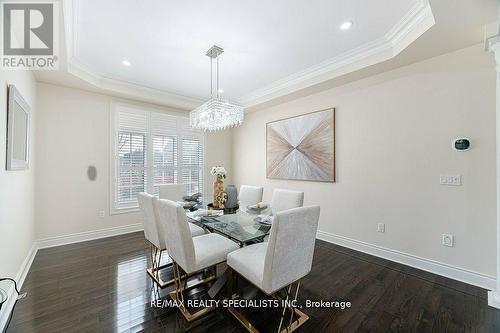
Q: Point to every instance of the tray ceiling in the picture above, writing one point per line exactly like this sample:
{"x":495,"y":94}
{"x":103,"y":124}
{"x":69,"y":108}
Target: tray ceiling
{"x":271,"y":47}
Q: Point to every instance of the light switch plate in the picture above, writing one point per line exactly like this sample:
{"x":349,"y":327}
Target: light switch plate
{"x":381,"y":227}
{"x":451,"y":180}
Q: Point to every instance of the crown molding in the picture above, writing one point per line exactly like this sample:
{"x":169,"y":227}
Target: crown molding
{"x":411,"y":26}
{"x":75,"y":67}
{"x":131,"y":90}
{"x":417,"y":21}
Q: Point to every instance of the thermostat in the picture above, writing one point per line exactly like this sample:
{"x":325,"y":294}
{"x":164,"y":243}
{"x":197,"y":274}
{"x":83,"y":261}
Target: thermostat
{"x":461,"y":144}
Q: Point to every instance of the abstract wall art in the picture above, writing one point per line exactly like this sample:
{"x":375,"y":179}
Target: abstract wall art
{"x":302,"y":147}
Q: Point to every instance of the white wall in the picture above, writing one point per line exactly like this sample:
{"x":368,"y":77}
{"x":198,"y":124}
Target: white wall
{"x":16,"y":187}
{"x":218,"y":152}
{"x":73,"y":133}
{"x":393,"y":140}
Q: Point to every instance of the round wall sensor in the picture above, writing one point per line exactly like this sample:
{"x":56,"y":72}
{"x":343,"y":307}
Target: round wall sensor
{"x":461,"y":144}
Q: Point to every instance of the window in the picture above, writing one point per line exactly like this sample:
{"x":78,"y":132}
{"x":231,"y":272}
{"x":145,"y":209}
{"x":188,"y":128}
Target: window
{"x":165,"y":160}
{"x":192,"y":161}
{"x":131,"y":166}
{"x":151,"y":149}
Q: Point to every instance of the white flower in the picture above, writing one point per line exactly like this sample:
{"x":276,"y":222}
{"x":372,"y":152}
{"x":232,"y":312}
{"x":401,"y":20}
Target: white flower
{"x":218,"y":171}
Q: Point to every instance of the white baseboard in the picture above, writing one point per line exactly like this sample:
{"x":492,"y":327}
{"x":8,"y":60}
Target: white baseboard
{"x":433,"y":266}
{"x":493,"y":299}
{"x":20,"y":277}
{"x":88,"y":235}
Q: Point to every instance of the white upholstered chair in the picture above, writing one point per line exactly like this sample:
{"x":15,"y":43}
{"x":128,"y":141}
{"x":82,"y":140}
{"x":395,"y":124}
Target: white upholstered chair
{"x":284,"y":260}
{"x":149,"y":221}
{"x":190,"y":254}
{"x":286,"y":199}
{"x":173,"y":192}
{"x":154,"y":235}
{"x":250,"y":195}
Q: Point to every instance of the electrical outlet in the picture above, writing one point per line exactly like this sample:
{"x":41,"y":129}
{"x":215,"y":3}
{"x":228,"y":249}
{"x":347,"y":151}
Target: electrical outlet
{"x":452,"y":180}
{"x":448,"y":240}
{"x":381,"y":227}
{"x":102,"y":214}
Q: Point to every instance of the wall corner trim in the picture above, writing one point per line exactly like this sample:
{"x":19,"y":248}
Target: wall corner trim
{"x":20,"y":277}
{"x":456,"y":273}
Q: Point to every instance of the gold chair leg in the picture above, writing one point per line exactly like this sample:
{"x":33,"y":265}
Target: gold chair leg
{"x":295,"y":299}
{"x":292,"y":325}
{"x":301,"y":316}
{"x":243,"y":321}
{"x":156,"y":266}
{"x":158,"y":262}
{"x":229,"y":283}
{"x":178,"y":294}
{"x":284,"y":308}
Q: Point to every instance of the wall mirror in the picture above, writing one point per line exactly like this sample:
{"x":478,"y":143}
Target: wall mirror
{"x":18,"y":130}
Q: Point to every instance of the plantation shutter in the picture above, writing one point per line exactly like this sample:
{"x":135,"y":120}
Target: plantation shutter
{"x":152,"y":149}
{"x":192,"y":163}
{"x":131,"y":157}
{"x":165,"y":157}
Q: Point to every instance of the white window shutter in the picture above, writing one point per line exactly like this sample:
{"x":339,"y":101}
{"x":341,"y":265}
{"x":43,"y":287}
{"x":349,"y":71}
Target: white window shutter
{"x":192,"y":163}
{"x":152,"y":149}
{"x":131,"y":156}
{"x":164,"y":161}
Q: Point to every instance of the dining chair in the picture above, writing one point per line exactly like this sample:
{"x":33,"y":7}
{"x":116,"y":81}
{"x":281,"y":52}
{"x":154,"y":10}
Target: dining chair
{"x":250,"y":195}
{"x":173,"y":192}
{"x":280,"y":263}
{"x":156,"y":238}
{"x":190,"y":255}
{"x":286,"y":199}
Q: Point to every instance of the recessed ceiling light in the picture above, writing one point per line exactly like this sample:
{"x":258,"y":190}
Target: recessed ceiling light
{"x":346,"y":25}
{"x":126,"y":63}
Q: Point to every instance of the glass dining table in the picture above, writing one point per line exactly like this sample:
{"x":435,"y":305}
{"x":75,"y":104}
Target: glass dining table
{"x":240,"y":227}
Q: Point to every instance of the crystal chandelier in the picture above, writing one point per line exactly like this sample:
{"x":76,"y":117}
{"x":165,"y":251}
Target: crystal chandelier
{"x":217,"y":113}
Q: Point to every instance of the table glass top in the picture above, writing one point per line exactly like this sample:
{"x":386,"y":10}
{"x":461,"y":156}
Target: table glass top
{"x":239,"y":227}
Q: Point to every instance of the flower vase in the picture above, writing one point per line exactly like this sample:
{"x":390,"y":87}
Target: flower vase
{"x":232,"y":197}
{"x":218,"y":192}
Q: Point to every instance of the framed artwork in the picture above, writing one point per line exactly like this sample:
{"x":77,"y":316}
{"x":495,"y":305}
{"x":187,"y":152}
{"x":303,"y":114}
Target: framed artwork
{"x":18,"y":131}
{"x":302,"y":147}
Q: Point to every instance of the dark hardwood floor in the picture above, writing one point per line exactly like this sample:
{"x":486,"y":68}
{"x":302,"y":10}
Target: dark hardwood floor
{"x":101,"y":286}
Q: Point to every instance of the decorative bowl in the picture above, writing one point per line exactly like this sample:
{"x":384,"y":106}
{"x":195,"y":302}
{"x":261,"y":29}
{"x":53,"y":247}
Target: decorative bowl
{"x":194,"y":197}
{"x":255,"y":210}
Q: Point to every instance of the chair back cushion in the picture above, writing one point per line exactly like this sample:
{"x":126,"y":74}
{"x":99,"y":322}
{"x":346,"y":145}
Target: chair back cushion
{"x":173,"y":192}
{"x":250,"y":195}
{"x":178,"y":238}
{"x":150,"y":220}
{"x":291,"y":247}
{"x":286,"y":199}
